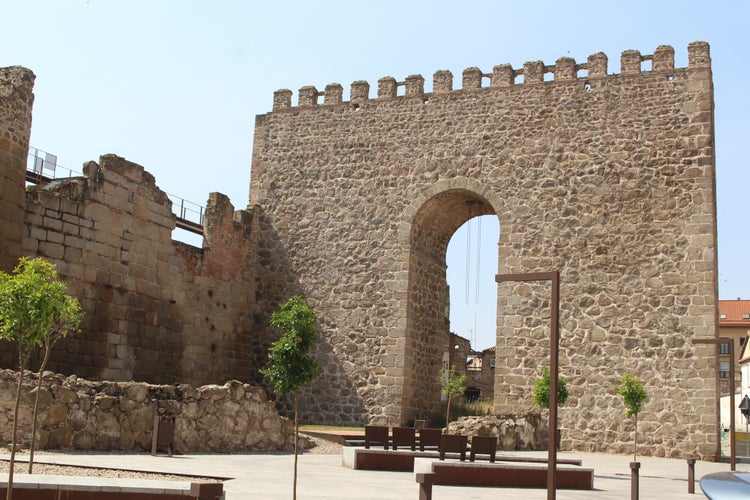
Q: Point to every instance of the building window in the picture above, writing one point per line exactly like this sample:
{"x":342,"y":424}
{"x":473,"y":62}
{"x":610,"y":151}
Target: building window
{"x":724,"y":348}
{"x":742,"y":341}
{"x":724,"y":369}
{"x":722,"y":316}
{"x":745,"y":315}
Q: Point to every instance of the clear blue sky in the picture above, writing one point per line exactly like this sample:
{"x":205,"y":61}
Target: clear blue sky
{"x":175,"y":85}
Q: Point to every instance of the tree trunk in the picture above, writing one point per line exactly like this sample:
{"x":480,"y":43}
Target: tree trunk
{"x":448,"y":412}
{"x":13,"y":439}
{"x":296,"y":439}
{"x":36,"y":406}
{"x":635,"y":440}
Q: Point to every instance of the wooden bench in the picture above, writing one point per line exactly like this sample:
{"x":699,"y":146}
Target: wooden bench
{"x":405,"y":436}
{"x":453,"y":443}
{"x":483,"y":445}
{"x":429,"y":437}
{"x":376,"y":434}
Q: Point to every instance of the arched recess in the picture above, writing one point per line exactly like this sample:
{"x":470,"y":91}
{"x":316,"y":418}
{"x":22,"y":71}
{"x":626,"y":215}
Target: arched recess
{"x":433,"y":218}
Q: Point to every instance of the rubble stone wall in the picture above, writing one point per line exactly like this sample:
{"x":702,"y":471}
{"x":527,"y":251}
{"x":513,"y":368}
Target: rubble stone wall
{"x":607,"y":177}
{"x":84,"y":415}
{"x":513,"y":432}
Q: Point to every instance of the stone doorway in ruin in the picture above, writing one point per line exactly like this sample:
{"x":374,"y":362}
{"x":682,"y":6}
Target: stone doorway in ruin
{"x":435,"y":218}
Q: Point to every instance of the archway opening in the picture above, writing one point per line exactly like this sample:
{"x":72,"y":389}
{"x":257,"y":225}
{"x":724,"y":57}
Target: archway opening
{"x":428,"y":329}
{"x":471,"y":262}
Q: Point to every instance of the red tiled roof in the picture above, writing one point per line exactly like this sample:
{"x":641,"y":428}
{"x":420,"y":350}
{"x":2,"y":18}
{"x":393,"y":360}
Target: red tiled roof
{"x":731,"y":312}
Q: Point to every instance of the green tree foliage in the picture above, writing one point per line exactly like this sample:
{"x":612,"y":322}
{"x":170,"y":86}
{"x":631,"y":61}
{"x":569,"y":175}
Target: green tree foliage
{"x":542,"y":390}
{"x":453,"y":387}
{"x":290,"y":365}
{"x":634,"y":395}
{"x":33,"y":308}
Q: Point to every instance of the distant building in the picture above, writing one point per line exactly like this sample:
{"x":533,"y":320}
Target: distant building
{"x":734,"y":322}
{"x":478,"y":366}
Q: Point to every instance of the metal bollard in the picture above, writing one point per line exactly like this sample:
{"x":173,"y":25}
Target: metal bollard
{"x":634,"y":466}
{"x":691,"y":475}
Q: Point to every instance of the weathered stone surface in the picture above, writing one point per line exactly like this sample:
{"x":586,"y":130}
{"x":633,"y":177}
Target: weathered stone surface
{"x":157,"y":311}
{"x":212,"y":419}
{"x":514,"y":432}
{"x":608,"y":178}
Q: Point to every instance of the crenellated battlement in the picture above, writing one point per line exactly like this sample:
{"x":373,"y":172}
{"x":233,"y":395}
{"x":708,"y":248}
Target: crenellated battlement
{"x":565,"y":69}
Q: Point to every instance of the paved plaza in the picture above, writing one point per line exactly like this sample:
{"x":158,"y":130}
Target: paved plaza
{"x":269,"y":476}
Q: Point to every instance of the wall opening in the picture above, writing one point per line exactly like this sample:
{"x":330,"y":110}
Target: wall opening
{"x":427,"y":341}
{"x":471,"y":262}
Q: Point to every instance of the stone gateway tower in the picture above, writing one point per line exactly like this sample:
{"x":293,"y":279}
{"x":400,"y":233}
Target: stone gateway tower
{"x":608,"y":178}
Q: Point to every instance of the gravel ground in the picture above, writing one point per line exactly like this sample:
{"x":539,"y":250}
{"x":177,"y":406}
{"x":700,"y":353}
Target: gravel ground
{"x":322,"y":447}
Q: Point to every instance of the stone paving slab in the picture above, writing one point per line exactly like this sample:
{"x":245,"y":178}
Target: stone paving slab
{"x":269,"y":476}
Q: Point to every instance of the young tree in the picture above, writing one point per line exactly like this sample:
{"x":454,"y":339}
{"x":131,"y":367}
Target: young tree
{"x":32,"y":302}
{"x":542,"y":390}
{"x":633,"y":394}
{"x":289,"y":364}
{"x":68,"y":322}
{"x":453,"y":386}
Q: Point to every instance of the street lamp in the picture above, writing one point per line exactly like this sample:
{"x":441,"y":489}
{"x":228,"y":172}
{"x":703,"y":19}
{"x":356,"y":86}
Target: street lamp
{"x":554,"y":278}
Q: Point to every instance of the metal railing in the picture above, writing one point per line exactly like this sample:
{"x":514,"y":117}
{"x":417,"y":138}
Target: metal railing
{"x":189,"y":214}
{"x":43,"y":167}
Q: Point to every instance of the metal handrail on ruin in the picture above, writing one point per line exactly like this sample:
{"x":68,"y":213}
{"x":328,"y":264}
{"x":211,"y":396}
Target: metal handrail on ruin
{"x":42,"y":167}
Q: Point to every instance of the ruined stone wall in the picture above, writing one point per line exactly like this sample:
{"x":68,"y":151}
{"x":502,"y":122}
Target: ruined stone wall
{"x":16,"y":100}
{"x":83,"y":415}
{"x":608,"y":178}
{"x":156,"y":310}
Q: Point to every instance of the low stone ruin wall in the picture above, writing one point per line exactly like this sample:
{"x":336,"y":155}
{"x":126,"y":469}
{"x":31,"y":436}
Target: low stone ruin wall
{"x":85,"y":415}
{"x":514,"y":432}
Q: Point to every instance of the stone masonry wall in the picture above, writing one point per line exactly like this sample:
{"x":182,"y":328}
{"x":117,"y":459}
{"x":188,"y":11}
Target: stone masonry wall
{"x":16,"y":100}
{"x":156,"y":311}
{"x":608,"y":178}
{"x":84,"y":415}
